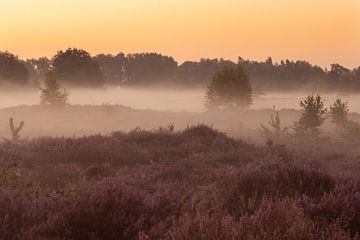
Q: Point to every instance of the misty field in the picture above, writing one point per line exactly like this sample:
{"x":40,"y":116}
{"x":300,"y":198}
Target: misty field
{"x":109,"y":171}
{"x":164,"y":99}
{"x":179,"y":120}
{"x":117,"y":155}
{"x":194,"y":183}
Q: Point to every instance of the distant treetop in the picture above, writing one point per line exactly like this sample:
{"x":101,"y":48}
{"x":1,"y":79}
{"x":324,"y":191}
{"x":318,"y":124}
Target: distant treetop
{"x":76,"y":67}
{"x":12,"y":70}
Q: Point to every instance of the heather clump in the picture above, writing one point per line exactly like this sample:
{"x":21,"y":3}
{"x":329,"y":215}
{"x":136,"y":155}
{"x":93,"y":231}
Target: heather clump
{"x":242,"y":192}
{"x":110,"y":210}
{"x":175,"y":185}
{"x":341,"y":206}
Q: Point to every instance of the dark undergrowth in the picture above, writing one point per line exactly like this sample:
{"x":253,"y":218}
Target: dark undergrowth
{"x":175,"y":185}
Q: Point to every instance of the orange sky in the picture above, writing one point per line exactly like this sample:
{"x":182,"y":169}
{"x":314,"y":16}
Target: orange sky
{"x":321,"y":31}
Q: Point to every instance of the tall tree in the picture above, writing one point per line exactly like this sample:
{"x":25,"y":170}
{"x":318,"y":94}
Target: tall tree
{"x":149,"y":68}
{"x":113,"y":67}
{"x":12,"y":70}
{"x":37,"y":69}
{"x":76,"y":67}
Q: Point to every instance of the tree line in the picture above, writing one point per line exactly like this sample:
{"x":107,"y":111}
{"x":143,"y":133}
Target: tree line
{"x":76,"y":67}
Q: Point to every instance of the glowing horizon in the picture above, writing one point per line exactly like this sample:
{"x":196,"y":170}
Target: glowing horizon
{"x":322,"y":32}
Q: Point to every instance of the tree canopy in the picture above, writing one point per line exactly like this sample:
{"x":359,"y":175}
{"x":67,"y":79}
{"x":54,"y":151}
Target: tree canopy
{"x":76,"y":67}
{"x":149,"y":68}
{"x":198,"y":73}
{"x":12,"y":70}
{"x":113,"y":67}
{"x":229,"y":89}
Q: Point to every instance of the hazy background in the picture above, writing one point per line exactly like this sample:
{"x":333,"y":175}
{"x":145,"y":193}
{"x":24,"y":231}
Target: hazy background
{"x":322,"y":31}
{"x":165,"y":99}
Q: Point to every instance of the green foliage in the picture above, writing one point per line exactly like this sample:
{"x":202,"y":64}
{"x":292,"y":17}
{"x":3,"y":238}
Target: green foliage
{"x":229,"y":89}
{"x":51,"y":94}
{"x":312,"y":117}
{"x":275,"y":132}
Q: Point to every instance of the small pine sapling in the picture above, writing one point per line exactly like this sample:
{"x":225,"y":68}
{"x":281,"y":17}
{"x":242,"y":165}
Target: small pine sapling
{"x":349,"y":129}
{"x":275,"y":131}
{"x":312,"y":117}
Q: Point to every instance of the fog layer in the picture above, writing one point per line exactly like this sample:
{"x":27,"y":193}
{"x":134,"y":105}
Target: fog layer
{"x":163,"y":99}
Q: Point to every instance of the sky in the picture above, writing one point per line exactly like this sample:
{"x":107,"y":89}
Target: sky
{"x":319,"y":31}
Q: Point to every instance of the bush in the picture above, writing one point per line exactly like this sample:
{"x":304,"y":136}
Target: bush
{"x":243,"y":192}
{"x":110,"y":210}
{"x":312,"y":117}
{"x":229,"y":89}
{"x":341,"y":206}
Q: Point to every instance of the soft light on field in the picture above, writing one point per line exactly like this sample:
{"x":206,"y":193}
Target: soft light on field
{"x":165,"y":99}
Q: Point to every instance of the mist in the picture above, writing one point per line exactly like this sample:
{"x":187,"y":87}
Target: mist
{"x":165,"y":99}
{"x":150,"y":144}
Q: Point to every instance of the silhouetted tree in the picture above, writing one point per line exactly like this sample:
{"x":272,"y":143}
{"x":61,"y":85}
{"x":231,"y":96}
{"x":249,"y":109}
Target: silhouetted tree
{"x":12,"y":70}
{"x":340,"y":77}
{"x":51,"y":94}
{"x":113,"y":67}
{"x":37,"y":69}
{"x":149,"y":68}
{"x":287,"y":75}
{"x":197,"y":74}
{"x":229,"y":89}
{"x":76,"y":67}
{"x":312,"y":117}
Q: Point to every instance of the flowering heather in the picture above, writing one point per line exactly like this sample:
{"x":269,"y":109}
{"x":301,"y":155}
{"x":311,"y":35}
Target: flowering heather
{"x":176,"y":185}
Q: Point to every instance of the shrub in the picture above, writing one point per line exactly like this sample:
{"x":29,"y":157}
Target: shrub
{"x":312,"y":117}
{"x":205,"y":227}
{"x":110,"y":210}
{"x":276,"y":132}
{"x":339,"y":111}
{"x":51,"y":94}
{"x":243,"y":192}
{"x":229,"y":89}
{"x":20,"y":211}
{"x":341,"y":206}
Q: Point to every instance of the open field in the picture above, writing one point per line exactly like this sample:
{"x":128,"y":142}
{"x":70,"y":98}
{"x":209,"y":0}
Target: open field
{"x":91,"y":119}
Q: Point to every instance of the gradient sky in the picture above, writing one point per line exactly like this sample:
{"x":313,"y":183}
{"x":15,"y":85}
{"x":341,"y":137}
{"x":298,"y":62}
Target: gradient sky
{"x":320,"y":31}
